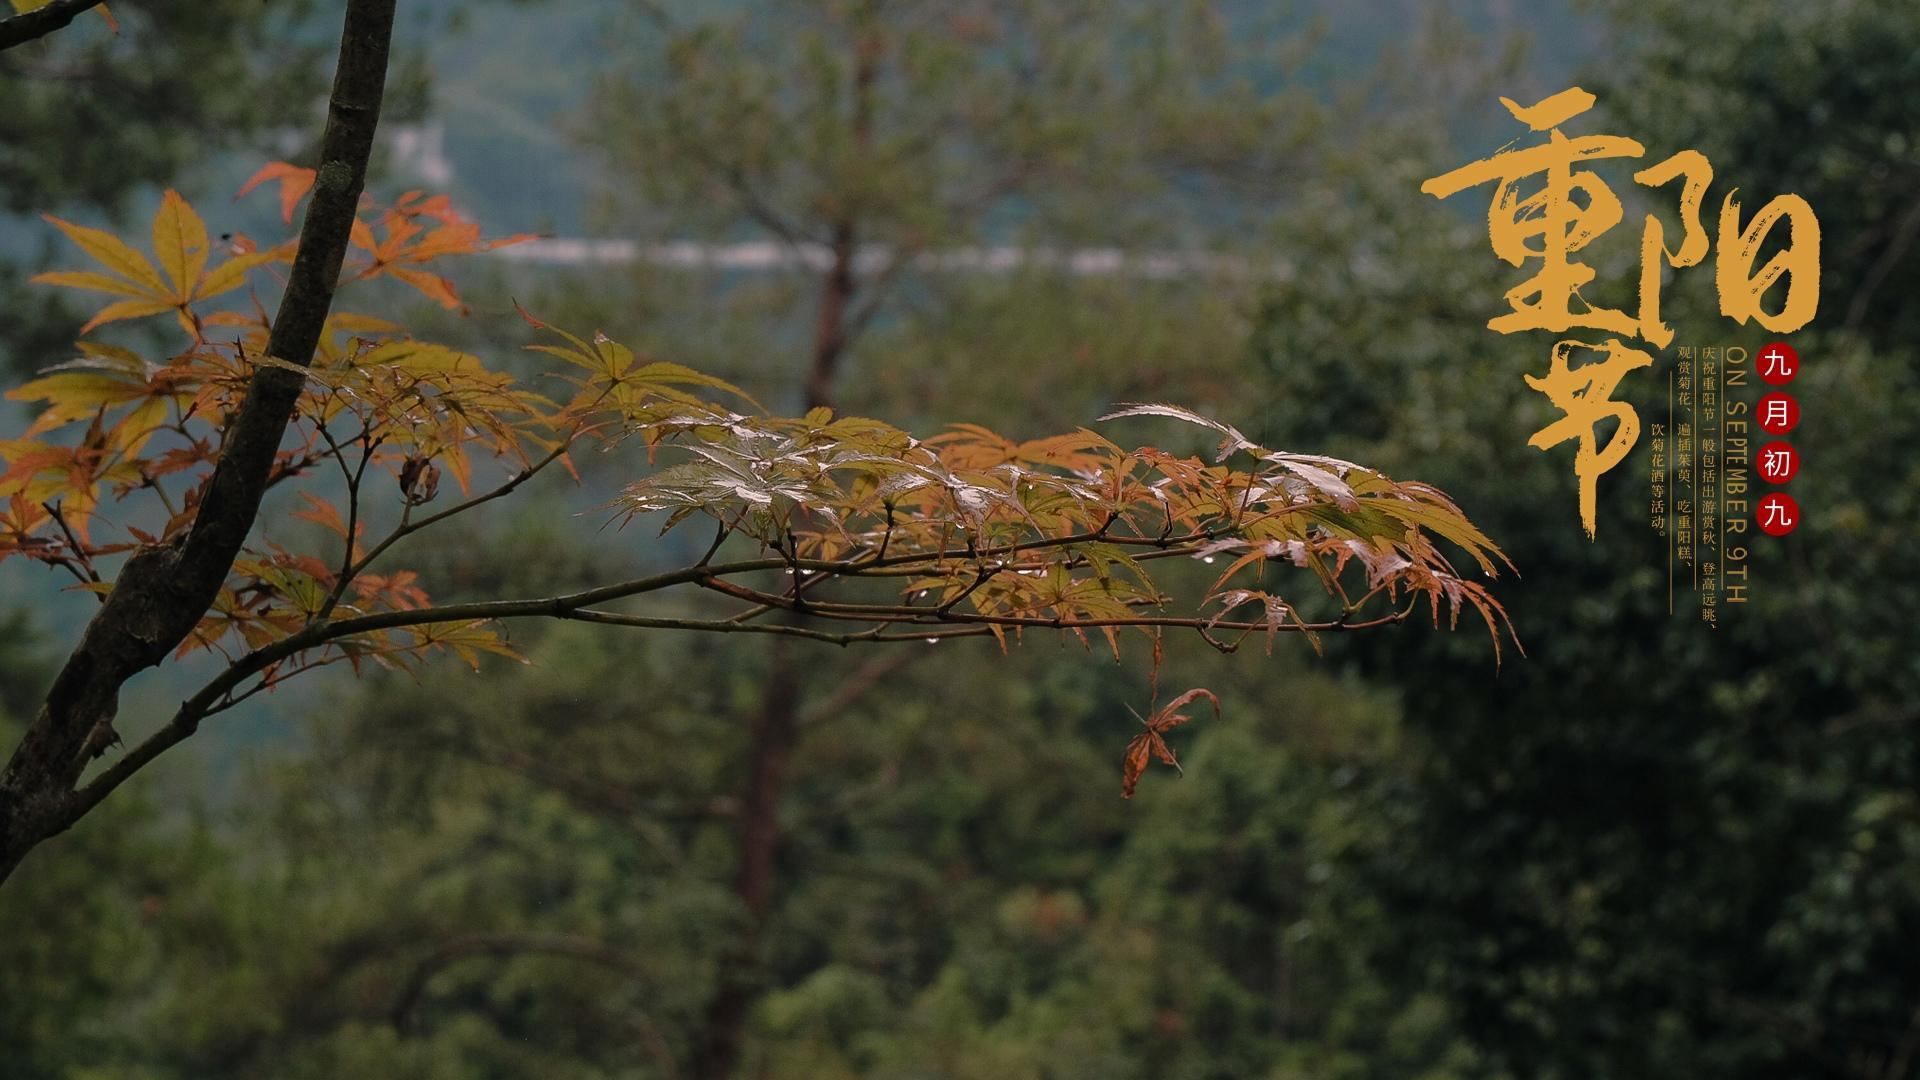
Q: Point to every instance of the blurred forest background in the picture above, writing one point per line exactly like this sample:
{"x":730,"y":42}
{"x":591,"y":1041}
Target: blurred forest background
{"x":1649,"y":849}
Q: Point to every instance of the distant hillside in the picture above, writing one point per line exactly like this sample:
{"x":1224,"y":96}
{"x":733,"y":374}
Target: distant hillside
{"x":510,"y":81}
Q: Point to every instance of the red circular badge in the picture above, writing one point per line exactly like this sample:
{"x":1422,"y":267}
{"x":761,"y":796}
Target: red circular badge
{"x":1778,"y":462}
{"x":1778,"y":363}
{"x":1777,"y":413}
{"x":1777,"y":514}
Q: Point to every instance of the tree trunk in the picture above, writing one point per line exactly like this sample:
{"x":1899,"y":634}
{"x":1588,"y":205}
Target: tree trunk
{"x":775,"y":728}
{"x":772,"y":733}
{"x":830,"y":334}
{"x":771,"y":738}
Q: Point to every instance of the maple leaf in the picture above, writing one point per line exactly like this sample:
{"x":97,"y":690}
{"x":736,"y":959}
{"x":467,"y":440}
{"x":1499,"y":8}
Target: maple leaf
{"x":1232,"y":439}
{"x":409,"y":241}
{"x":1151,"y":743}
{"x":182,"y":278}
{"x":467,"y":640}
{"x":294,"y":182}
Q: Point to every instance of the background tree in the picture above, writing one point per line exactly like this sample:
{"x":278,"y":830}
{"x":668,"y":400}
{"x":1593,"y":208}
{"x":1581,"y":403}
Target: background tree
{"x":1676,"y":858}
{"x":869,"y":143}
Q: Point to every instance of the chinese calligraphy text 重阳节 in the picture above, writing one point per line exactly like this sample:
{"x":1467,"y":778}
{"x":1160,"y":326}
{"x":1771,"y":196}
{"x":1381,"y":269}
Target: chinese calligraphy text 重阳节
{"x":1562,"y":208}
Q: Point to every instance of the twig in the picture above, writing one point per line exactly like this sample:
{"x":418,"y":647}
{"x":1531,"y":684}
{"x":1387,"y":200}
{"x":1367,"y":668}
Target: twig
{"x":81,"y":559}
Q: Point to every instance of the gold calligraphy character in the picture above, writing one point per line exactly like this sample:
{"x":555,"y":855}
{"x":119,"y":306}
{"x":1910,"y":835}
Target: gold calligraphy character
{"x":1550,"y":215}
{"x":1799,"y":261}
{"x":1563,"y":226}
{"x":1585,"y":394}
{"x":1693,"y":167}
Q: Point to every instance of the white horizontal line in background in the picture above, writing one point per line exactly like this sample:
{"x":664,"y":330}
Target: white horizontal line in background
{"x":768,"y":255}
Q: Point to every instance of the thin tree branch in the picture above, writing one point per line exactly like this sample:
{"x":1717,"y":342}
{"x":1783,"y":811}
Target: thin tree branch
{"x":580,"y":606}
{"x":857,"y":685}
{"x":81,"y":564}
{"x":907,"y":613}
{"x":511,"y":943}
{"x":353,"y":477}
{"x":583,"y":606}
{"x":1876,"y":276}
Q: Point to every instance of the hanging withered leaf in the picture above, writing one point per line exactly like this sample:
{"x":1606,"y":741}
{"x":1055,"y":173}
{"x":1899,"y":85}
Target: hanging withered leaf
{"x":419,"y":480}
{"x":1152,"y":743}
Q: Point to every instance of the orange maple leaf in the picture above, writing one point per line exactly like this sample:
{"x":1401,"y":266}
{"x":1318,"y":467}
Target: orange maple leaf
{"x":1150,"y":744}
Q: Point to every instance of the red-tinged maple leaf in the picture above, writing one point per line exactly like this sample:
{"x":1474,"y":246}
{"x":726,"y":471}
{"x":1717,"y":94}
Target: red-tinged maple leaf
{"x":407,"y":242}
{"x":1151,"y":743}
{"x":294,"y":182}
{"x":437,"y":288}
{"x":322,"y":512}
{"x":399,"y":590}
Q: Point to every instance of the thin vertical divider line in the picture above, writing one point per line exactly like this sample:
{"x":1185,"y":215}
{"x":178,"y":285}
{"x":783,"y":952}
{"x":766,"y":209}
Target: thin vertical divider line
{"x":1693,"y":460}
{"x":1720,"y":501}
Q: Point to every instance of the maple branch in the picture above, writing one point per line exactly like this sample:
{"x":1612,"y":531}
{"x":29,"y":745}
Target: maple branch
{"x":294,"y":466}
{"x":164,"y":589}
{"x":942,"y":622}
{"x":805,"y":580}
{"x":719,"y":537}
{"x":212,"y":697}
{"x":724,"y":626}
{"x":41,"y":21}
{"x":577,"y":606}
{"x":252,"y":441}
{"x":186,"y":719}
{"x":268,"y":681}
{"x":880,"y":565}
{"x":153,"y":484}
{"x":906,"y":613}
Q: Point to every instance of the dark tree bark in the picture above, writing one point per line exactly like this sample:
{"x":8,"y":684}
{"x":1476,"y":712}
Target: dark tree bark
{"x":163,"y":590}
{"x":41,"y":21}
{"x":831,"y":332}
{"x":834,"y":330}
